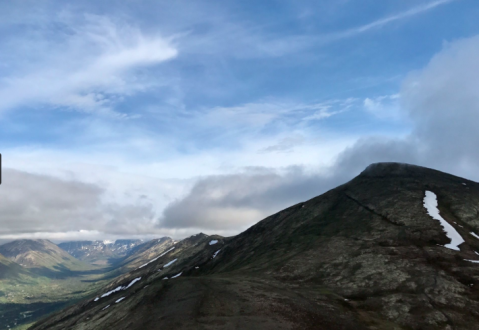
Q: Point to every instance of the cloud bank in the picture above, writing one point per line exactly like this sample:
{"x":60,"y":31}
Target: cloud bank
{"x":232,"y":118}
{"x":442,"y":103}
{"x":32,"y":204}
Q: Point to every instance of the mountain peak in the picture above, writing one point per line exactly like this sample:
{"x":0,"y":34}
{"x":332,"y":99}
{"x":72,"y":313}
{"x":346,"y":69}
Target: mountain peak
{"x":393,"y":169}
{"x":378,"y":251}
{"x":23,"y":245}
{"x":40,"y":254}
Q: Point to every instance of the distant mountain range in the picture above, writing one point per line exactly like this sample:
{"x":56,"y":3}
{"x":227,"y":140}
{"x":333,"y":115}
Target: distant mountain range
{"x":41,"y":257}
{"x":395,"y":248}
{"x":100,"y":252}
{"x":38,"y":277}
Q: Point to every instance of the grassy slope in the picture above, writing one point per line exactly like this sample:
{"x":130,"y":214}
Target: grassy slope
{"x":25,"y":298}
{"x":50,"y":280}
{"x":43,"y":258}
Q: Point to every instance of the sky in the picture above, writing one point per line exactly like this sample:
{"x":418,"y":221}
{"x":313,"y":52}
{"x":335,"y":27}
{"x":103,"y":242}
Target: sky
{"x":142,"y":119}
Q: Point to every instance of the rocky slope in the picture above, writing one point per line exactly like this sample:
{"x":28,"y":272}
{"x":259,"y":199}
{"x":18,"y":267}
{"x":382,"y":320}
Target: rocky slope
{"x":366,"y":255}
{"x":143,"y":253}
{"x":41,"y":257}
{"x":100,"y":252}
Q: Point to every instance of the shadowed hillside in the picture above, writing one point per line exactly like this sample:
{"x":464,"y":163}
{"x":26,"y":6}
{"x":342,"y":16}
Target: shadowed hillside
{"x":373,"y":253}
{"x":9,"y":269}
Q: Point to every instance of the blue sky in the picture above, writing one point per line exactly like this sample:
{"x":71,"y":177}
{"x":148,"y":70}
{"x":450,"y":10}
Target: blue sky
{"x":140,"y":105}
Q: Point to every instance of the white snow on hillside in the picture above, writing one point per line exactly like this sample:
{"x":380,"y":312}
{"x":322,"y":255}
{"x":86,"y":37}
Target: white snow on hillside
{"x":474,"y":234}
{"x":105,"y":307}
{"x":213,"y":242}
{"x":132,"y":282}
{"x":161,"y":255}
{"x":430,"y":203}
{"x":216,"y":253}
{"x":116,"y":302}
{"x":112,"y":291}
{"x":474,"y":261}
{"x":177,"y":275}
{"x":118,"y":289}
{"x":170,"y":263}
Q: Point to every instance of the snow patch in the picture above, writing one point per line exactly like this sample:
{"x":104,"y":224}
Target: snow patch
{"x":464,"y":184}
{"x":474,"y":261}
{"x":112,"y":291}
{"x":116,"y":302}
{"x":105,"y":307}
{"x":474,"y":234}
{"x":216,"y":253}
{"x":177,"y":275}
{"x":430,"y":203}
{"x":164,"y":278}
{"x":161,"y":255}
{"x":170,"y":263}
{"x":118,"y":289}
{"x":132,"y":282}
{"x":213,"y":242}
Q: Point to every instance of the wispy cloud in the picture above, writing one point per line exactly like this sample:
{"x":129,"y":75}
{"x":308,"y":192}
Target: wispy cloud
{"x":385,"y":106}
{"x":88,"y":69}
{"x":260,"y":114}
{"x":386,"y":20}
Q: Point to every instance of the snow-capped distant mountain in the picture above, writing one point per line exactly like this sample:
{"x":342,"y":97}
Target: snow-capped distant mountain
{"x":100,"y":251}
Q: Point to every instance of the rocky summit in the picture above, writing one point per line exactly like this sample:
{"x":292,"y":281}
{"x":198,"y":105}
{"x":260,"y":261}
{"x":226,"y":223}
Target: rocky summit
{"x":397,"y":247}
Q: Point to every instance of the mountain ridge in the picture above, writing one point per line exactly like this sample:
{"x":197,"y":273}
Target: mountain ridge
{"x":364,"y":255}
{"x":100,"y":252}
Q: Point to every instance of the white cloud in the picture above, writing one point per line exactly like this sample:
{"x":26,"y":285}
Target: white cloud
{"x":443,"y":104}
{"x":43,"y":206}
{"x":386,"y":20}
{"x":261,"y":114}
{"x":89,"y":68}
{"x":386,"y":106}
{"x":286,"y":144}
{"x":236,"y":201}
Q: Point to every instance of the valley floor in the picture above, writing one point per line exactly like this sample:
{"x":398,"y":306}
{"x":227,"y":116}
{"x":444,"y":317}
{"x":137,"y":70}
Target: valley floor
{"x":25,"y":299}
